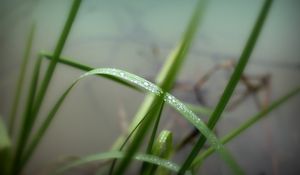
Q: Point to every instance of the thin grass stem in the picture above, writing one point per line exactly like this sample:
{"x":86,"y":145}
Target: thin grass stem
{"x":145,"y":167}
{"x":138,"y":137}
{"x":25,"y":131}
{"x":20,"y":81}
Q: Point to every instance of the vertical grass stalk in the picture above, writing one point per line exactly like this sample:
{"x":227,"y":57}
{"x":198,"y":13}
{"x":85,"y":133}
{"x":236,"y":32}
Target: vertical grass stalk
{"x":20,"y":81}
{"x":145,"y":166}
{"x":25,"y":131}
{"x":139,"y":136}
{"x":243,"y":60}
{"x":172,"y":66}
{"x":32,"y":92}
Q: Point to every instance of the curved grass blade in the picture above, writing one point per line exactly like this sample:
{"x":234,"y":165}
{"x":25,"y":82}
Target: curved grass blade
{"x":172,"y":66}
{"x":20,"y":81}
{"x":69,"y":62}
{"x":5,"y":149}
{"x":25,"y":132}
{"x":148,"y":87}
{"x":119,"y":155}
{"x":83,"y":67}
{"x":232,"y":82}
{"x":250,"y":122}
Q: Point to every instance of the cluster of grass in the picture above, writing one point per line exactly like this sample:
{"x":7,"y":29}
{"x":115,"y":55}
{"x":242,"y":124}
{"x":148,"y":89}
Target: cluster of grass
{"x":156,"y":159}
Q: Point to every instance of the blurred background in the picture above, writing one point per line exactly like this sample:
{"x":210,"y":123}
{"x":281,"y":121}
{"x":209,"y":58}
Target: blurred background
{"x":137,"y":36}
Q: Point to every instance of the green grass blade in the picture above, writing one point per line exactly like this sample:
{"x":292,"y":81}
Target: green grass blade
{"x":198,"y":109}
{"x":162,"y":148}
{"x":83,"y":67}
{"x":250,"y":122}
{"x":172,"y":66}
{"x":163,"y":145}
{"x":169,"y":72}
{"x":145,"y":86}
{"x":139,"y":136}
{"x":20,"y":81}
{"x":25,"y":132}
{"x":152,"y":139}
{"x":119,"y":155}
{"x":32,"y":91}
{"x":31,"y":95}
{"x":5,"y":149}
{"x":29,"y":104}
{"x":243,"y":60}
{"x":123,"y":145}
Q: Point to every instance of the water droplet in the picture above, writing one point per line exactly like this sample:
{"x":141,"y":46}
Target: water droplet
{"x":146,"y":84}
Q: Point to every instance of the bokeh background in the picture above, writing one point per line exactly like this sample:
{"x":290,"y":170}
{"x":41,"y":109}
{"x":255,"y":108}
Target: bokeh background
{"x":137,"y":36}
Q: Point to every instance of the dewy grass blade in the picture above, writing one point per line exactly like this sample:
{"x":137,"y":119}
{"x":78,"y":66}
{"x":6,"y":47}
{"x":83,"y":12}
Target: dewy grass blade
{"x":232,"y":82}
{"x":83,"y":67}
{"x":25,"y":132}
{"x":19,"y":85}
{"x":172,"y":66}
{"x":199,"y":109}
{"x":145,"y":86}
{"x":119,"y":155}
{"x":236,"y":132}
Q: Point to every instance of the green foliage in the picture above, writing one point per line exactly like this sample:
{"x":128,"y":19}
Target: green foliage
{"x":145,"y":86}
{"x":115,"y":154}
{"x":172,"y":66}
{"x":19,"y":85}
{"x":235,"y":77}
{"x":199,"y":159}
{"x":160,"y":148}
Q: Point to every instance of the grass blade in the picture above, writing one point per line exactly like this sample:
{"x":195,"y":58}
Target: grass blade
{"x":32,"y":91}
{"x":172,"y":66}
{"x":162,"y":148}
{"x":83,"y":67}
{"x":145,"y":86}
{"x":232,"y":82}
{"x":5,"y":149}
{"x":139,"y":137}
{"x":199,"y":109}
{"x":152,"y":138}
{"x":123,"y":145}
{"x":119,"y":155}
{"x":29,"y":103}
{"x":250,"y":122}
{"x":20,"y":81}
{"x":31,"y":95}
{"x":25,"y":131}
